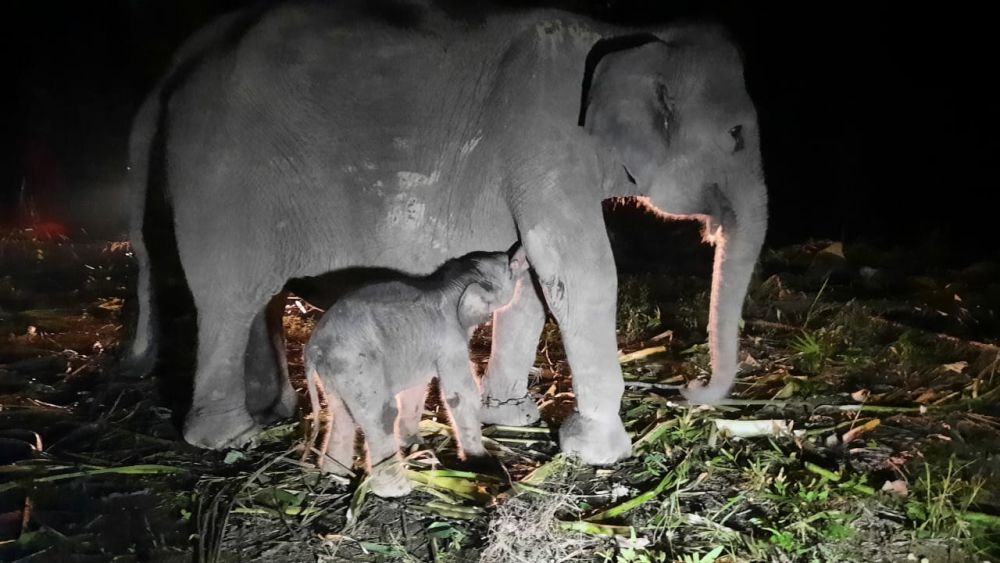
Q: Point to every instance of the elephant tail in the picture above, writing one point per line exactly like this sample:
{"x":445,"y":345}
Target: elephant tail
{"x":142,"y":349}
{"x":151,"y":234}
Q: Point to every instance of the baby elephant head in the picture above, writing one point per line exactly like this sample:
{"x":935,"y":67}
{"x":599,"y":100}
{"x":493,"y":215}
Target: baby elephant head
{"x":491,"y":285}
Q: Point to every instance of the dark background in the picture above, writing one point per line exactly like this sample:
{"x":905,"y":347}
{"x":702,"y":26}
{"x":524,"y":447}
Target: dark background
{"x":879,"y":120}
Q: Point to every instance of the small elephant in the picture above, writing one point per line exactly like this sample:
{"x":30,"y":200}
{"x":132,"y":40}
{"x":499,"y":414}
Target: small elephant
{"x":296,"y":140}
{"x":378,"y":347}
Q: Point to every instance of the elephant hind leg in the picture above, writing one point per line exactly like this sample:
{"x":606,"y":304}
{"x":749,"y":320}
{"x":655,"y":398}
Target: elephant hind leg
{"x":218,"y":417}
{"x":410,"y":403}
{"x":375,"y":411}
{"x":270,"y":395}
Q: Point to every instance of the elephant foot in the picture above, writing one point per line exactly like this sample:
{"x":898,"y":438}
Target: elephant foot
{"x":698,"y":393}
{"x":215,"y":431}
{"x":599,"y":442}
{"x":521,"y":411}
{"x":388,"y":479}
{"x":284,"y":407}
{"x":287,"y":404}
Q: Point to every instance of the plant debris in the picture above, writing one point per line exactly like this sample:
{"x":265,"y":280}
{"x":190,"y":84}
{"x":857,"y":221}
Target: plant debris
{"x":864,"y":426}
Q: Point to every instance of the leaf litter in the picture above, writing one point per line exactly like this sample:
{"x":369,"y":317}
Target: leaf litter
{"x":864,"y":427}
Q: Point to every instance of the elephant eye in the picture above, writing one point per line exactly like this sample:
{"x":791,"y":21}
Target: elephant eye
{"x":737,"y":134}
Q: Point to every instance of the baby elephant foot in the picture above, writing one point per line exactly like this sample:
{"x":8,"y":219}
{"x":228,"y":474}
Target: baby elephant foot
{"x":216,"y":431}
{"x":698,"y":393}
{"x":388,"y":479}
{"x":521,"y":411}
{"x":597,"y":442}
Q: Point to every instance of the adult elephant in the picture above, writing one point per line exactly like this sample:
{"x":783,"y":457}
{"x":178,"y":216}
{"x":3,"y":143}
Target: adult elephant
{"x":305,"y":139}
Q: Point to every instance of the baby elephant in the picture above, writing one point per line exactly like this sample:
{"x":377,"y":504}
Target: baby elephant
{"x":375,"y":351}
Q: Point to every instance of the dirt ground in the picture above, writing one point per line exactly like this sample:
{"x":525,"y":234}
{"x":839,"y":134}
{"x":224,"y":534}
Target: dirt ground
{"x":865,"y":427}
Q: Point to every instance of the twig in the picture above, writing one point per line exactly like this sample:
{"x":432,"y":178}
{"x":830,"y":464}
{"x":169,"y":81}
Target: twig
{"x":981,"y":346}
{"x":811,"y":307}
{"x":656,"y":386}
{"x":640,"y":354}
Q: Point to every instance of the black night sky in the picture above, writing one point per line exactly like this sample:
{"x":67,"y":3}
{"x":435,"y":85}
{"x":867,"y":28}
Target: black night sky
{"x":879,"y":122}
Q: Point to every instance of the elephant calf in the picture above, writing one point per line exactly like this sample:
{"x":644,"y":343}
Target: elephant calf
{"x":377,"y":349}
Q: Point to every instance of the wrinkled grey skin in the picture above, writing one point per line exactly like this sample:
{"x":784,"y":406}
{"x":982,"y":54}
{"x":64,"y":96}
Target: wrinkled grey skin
{"x":378,"y":348}
{"x":310,"y":139}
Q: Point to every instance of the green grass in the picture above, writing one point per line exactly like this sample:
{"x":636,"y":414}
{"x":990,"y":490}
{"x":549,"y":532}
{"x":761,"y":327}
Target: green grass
{"x":811,"y":353}
{"x":638,"y":316}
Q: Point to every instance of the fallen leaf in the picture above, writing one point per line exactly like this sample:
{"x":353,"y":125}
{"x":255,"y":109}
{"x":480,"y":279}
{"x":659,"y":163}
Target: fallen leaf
{"x":861,"y":395}
{"x":788,"y":390}
{"x":859,"y":431}
{"x":897,"y":488}
{"x":957,"y":367}
{"x":837,"y":249}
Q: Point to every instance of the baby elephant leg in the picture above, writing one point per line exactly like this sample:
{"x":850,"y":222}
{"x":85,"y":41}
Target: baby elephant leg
{"x":461,"y":394}
{"x":375,"y":412}
{"x":339,"y":458}
{"x":411,"y":405}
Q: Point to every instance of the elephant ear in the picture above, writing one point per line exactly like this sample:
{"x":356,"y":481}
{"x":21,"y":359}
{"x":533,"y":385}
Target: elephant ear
{"x":628,"y":106}
{"x":475,"y":305}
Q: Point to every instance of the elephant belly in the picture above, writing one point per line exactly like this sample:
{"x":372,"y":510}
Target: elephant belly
{"x":402,"y":215}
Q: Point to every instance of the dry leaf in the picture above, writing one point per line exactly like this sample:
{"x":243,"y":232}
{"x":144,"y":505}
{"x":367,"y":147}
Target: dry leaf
{"x":837,"y":249}
{"x":897,"y":488}
{"x":957,"y":367}
{"x":861,"y":395}
{"x":859,"y":431}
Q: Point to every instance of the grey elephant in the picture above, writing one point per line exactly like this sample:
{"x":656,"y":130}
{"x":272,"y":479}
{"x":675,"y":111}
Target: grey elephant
{"x":382,"y":344}
{"x":305,"y":138}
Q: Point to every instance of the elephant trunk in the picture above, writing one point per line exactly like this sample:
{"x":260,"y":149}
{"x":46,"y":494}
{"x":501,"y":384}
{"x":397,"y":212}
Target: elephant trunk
{"x":737,"y":227}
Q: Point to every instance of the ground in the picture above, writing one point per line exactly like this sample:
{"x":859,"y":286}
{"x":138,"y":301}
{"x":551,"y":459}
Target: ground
{"x":865,"y":427}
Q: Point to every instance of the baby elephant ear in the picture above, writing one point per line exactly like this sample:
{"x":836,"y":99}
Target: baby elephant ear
{"x":474,"y":307}
{"x":519,"y":260}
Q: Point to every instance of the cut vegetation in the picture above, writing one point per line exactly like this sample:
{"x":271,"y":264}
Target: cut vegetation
{"x":865,"y":427}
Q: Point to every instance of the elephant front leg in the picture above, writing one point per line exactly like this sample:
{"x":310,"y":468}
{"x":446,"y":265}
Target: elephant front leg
{"x":460,"y":393}
{"x":219,"y":417}
{"x":515,"y":339}
{"x":578,"y":279}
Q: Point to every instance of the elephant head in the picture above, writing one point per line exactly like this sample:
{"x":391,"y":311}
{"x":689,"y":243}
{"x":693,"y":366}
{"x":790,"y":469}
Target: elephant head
{"x":673,"y":110}
{"x":492,"y":285}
